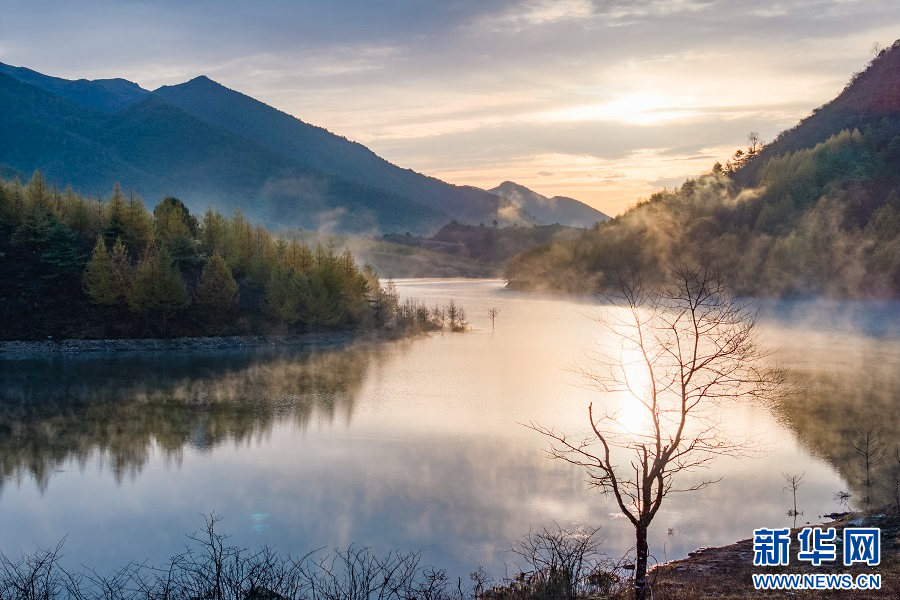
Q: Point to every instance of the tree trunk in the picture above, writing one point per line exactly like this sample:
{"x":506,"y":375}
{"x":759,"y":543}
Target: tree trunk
{"x":640,"y":566}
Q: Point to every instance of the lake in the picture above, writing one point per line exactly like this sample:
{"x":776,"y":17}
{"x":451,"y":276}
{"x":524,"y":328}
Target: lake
{"x":417,"y":444}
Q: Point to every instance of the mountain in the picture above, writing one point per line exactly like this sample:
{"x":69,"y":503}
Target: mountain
{"x":213,"y":146}
{"x":105,"y":95}
{"x":815,"y":213}
{"x":558,"y":209}
{"x":157,"y":149}
{"x":320,"y":149}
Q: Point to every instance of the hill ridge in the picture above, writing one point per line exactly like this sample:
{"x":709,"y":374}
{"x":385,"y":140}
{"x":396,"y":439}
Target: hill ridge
{"x":319,"y":148}
{"x":871,"y":94}
{"x":306,"y":168}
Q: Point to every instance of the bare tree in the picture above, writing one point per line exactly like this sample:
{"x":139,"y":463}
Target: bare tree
{"x":793,"y":484}
{"x":462,"y":323}
{"x":755,"y":142}
{"x":438,"y":316}
{"x":452,"y":315}
{"x":842,"y":497}
{"x":492,"y":313}
{"x":871,"y":450}
{"x":682,"y":348}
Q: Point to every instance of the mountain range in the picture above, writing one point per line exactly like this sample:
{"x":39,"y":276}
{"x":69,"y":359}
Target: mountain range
{"x":212,"y":146}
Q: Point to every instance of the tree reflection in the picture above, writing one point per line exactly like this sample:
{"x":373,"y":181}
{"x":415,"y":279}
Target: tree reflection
{"x":836,"y":401}
{"x":119,"y":410}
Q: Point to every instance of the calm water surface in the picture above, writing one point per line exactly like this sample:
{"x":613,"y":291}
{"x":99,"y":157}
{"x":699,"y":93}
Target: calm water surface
{"x":416,"y":444}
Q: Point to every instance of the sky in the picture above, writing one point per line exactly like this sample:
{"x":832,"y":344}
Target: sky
{"x":605,"y":101}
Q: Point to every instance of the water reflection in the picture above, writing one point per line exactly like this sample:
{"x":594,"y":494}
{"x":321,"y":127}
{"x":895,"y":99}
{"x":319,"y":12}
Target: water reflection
{"x":115,"y":410}
{"x":847,"y":382}
{"x":415,"y":444}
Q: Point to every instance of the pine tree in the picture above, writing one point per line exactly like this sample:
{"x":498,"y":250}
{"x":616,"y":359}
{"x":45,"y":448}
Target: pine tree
{"x":212,"y":233}
{"x":239,"y":243}
{"x":217,"y":291}
{"x":76,"y":214}
{"x":175,"y":229}
{"x":283,"y":296}
{"x":114,"y":216}
{"x":61,"y":251}
{"x":157,"y":287}
{"x":34,"y":226}
{"x":100,"y":280}
{"x":264,"y":258}
{"x":122,"y":266}
{"x":37,"y":194}
{"x":138,"y":224}
{"x":298,"y":258}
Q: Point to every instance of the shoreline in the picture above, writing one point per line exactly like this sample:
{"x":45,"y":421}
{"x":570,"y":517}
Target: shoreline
{"x":726,"y":571}
{"x":13,"y":350}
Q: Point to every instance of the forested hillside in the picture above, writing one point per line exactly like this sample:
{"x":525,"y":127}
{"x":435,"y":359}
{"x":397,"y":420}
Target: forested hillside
{"x":76,"y":267}
{"x":815,"y":213}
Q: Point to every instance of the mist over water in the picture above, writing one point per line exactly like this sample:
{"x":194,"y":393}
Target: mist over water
{"x":416,"y":444}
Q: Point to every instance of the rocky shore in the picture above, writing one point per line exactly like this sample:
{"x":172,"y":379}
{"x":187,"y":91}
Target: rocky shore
{"x":725,"y":572}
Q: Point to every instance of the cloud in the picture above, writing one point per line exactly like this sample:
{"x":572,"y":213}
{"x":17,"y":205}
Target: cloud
{"x":534,"y":13}
{"x":471,"y":86}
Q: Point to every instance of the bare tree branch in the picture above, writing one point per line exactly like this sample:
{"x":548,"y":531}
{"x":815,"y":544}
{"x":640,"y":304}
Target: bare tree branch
{"x":676,"y":354}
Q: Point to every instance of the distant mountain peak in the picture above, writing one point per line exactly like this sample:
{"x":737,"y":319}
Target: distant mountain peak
{"x":198,"y":80}
{"x":558,"y":209}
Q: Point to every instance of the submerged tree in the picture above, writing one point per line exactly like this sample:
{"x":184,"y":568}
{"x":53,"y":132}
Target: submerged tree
{"x":681,"y":349}
{"x":871,"y":450}
{"x":794,"y":482}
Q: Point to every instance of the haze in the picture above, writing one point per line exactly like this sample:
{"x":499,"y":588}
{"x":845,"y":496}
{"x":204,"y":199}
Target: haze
{"x":604,"y":101}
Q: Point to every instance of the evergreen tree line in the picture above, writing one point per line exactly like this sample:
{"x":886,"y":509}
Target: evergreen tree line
{"x":818,"y":221}
{"x":108,"y":267}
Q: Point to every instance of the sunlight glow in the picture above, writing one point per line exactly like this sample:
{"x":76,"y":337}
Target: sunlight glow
{"x":632,"y":415}
{"x":637,"y":109}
